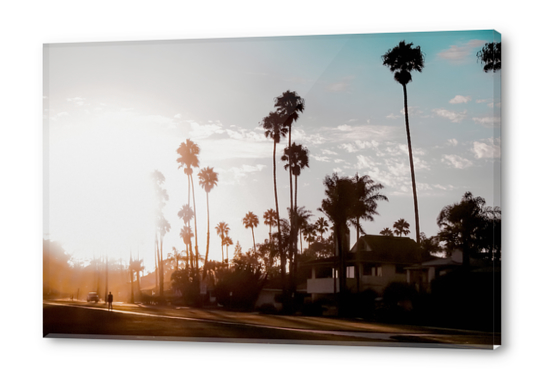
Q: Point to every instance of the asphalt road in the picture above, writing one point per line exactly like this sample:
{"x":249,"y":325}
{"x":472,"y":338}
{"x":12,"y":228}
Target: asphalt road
{"x":70,"y":319}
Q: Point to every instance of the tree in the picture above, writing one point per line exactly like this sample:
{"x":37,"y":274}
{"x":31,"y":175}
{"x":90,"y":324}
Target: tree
{"x":162,"y":225}
{"x":186,"y":214}
{"x":208,"y":179}
{"x":227,"y":242}
{"x":338,"y":207}
{"x":222,"y":230}
{"x":289,"y":105}
{"x":273,"y":125}
{"x":188,"y":158}
{"x":251,"y":221}
{"x":401,"y":227}
{"x":386,"y":232}
{"x":401,"y":60}
{"x":463,"y":226}
{"x":321,"y":226}
{"x":490,"y":56}
{"x":270,"y":218}
{"x":366,"y":193}
{"x":302,"y":216}
{"x":309,"y":232}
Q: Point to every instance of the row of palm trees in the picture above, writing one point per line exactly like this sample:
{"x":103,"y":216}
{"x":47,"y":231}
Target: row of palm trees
{"x":400,"y":227}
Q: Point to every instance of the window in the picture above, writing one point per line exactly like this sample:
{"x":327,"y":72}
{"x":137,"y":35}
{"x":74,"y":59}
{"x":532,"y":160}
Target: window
{"x":372,"y":270}
{"x":351,"y":272}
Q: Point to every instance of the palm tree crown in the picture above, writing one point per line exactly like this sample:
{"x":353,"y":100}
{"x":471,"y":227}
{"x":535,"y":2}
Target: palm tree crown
{"x":208,"y":179}
{"x":273,"y":125}
{"x":402,"y":59}
{"x":290,"y":105}
{"x":297,"y":158}
{"x":401,"y":227}
{"x":251,"y":221}
{"x":490,"y":56}
{"x":188,"y":156}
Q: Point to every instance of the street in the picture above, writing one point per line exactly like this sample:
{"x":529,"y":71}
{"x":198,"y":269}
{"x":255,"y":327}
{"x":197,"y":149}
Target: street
{"x":72,"y":319}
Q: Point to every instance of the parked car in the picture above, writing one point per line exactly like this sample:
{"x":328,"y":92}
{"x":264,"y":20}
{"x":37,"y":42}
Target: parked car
{"x":93,"y":296}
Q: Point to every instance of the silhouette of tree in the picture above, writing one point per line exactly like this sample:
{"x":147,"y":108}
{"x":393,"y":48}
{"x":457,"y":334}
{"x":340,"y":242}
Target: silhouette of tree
{"x":366,"y":194}
{"x":251,"y":221}
{"x":188,"y":158}
{"x":309,"y":232}
{"x":289,"y":105}
{"x":222,"y":230}
{"x":273,"y":125}
{"x":386,"y":232}
{"x":490,"y":56}
{"x":462,"y":226}
{"x":321,"y":226}
{"x":208,"y":179}
{"x":186,"y":214}
{"x":401,"y":227}
{"x":401,"y":60}
{"x":227,"y":242}
{"x":162,"y":225}
{"x":302,"y":216}
{"x":270,"y":218}
{"x":186,"y":235}
{"x":338,"y":207}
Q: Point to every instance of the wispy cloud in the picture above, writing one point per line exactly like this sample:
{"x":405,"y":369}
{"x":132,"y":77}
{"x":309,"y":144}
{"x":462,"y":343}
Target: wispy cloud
{"x":458,"y":53}
{"x":490,"y":148}
{"x":488,"y":122}
{"x":342,"y":85}
{"x":450,"y":115}
{"x":456,"y":161}
{"x":460,"y":99}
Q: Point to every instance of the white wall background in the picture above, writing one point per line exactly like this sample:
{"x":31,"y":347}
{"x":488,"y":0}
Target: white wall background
{"x":26,"y":25}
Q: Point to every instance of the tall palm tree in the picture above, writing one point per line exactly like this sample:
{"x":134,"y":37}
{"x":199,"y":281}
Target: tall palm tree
{"x":302,"y":216}
{"x":401,"y":60}
{"x":186,"y":214}
{"x":227,"y":242}
{"x":289,"y":105}
{"x":251,"y":221}
{"x":321,"y":226}
{"x":367,"y":194}
{"x":163,"y":228}
{"x":208,"y":179}
{"x":273,"y":125}
{"x":338,"y":207}
{"x":490,"y":56}
{"x":162,"y":225}
{"x":186,"y":235}
{"x":401,"y":227}
{"x":270,"y":218}
{"x":188,"y":158}
{"x":222,"y":229}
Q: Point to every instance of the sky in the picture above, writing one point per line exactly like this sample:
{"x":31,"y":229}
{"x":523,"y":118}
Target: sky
{"x":115,"y":112}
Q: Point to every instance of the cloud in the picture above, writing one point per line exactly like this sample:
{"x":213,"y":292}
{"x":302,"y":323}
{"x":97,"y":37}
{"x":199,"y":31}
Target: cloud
{"x":79,"y":101}
{"x":452,"y":142}
{"x":340,"y":86}
{"x":458,"y":53}
{"x":393,"y":116}
{"x":460,"y":99}
{"x":450,"y":115}
{"x":490,"y":148}
{"x":348,"y":147}
{"x":204,"y":130}
{"x":321,"y":159}
{"x":488,"y":122}
{"x":344,"y":128}
{"x":367,"y":144}
{"x":328,"y":152}
{"x":178,"y":116}
{"x":456,"y":161}
{"x":412,"y":111}
{"x":364,"y":162}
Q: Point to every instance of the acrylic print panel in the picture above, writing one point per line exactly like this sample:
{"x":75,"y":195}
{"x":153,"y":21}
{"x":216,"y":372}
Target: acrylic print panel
{"x":340,"y":189}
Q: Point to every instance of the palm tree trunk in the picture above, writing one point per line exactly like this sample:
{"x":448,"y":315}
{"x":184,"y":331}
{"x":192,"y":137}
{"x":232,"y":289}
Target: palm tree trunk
{"x":253,"y":240}
{"x":195,"y":227}
{"x":208,"y":238}
{"x":416,"y":214}
{"x":281,"y":252}
{"x":161,"y":267}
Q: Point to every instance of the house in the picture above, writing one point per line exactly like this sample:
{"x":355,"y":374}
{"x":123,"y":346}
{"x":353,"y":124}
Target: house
{"x":374,"y":262}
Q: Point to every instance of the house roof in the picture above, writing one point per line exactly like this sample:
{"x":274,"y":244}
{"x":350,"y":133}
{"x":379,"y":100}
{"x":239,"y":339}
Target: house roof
{"x":381,"y":249}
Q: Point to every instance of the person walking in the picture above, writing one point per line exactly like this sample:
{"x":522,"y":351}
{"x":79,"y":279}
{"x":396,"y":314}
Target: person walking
{"x":110,"y":301}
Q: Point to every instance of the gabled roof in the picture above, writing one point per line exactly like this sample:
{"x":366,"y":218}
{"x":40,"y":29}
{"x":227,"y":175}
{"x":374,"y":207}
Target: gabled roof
{"x":381,"y":249}
{"x":384,"y":249}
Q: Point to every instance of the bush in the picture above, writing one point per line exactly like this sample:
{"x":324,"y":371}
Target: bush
{"x":238,"y":289}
